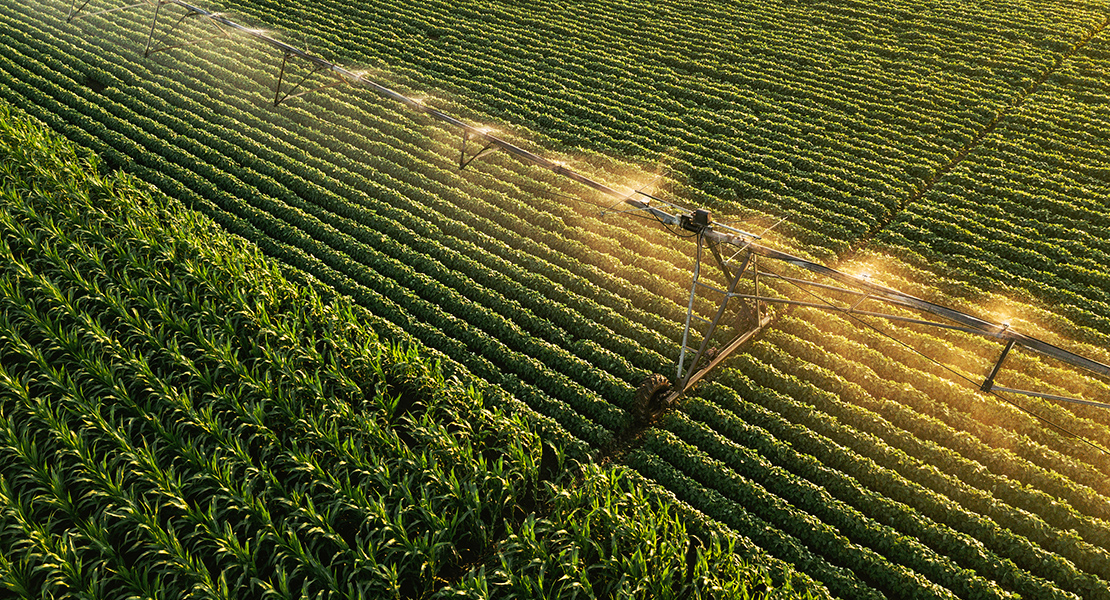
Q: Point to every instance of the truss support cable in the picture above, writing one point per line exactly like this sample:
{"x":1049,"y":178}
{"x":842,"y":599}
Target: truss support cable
{"x":865,"y":313}
{"x":688,"y":379}
{"x":280,"y":97}
{"x":993,"y":392}
{"x":464,"y":160}
{"x":669,"y":215}
{"x":999,"y":388}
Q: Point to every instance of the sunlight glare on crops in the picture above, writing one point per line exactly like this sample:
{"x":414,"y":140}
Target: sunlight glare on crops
{"x":1033,"y":371}
{"x":869,"y":271}
{"x":637,"y":180}
{"x":1012,"y":315}
{"x":558,"y":297}
{"x":258,"y":31}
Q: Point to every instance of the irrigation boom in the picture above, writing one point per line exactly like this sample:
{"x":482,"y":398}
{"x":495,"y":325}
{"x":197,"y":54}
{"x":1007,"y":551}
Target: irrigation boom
{"x":741,"y":268}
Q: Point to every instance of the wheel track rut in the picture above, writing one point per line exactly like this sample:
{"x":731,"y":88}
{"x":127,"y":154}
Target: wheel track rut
{"x":866,"y":239}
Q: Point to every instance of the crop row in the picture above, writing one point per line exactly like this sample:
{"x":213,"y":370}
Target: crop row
{"x":841,"y":582}
{"x":157,"y":383}
{"x":852,"y":407}
{"x":907,"y":419}
{"x":577,"y":107}
{"x":404,"y":180}
{"x":380,"y":220}
{"x":911,"y":410}
{"x":230,"y":76}
{"x":880,"y":555}
{"x":916,"y":483}
{"x":1026,"y":207}
{"x":1088,"y":557}
{"x":754,"y":451}
{"x":1071,"y":283}
{"x":941,"y":395}
{"x":383,"y":284}
{"x":178,"y":418}
{"x":523,"y":74}
{"x":894,"y":497}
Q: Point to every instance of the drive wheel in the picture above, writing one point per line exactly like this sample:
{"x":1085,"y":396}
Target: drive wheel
{"x":649,"y":398}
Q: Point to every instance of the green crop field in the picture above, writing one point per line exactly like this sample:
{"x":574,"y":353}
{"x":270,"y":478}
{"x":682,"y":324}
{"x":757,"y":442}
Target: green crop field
{"x":295,"y":351}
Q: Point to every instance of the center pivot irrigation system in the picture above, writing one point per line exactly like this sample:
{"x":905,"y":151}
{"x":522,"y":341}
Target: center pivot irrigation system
{"x":741,"y":307}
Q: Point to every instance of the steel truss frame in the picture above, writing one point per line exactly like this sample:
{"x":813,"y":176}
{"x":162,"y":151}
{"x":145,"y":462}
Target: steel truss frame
{"x":747,"y":324}
{"x":224,"y":28}
{"x":862,"y":289}
{"x":692,"y":365}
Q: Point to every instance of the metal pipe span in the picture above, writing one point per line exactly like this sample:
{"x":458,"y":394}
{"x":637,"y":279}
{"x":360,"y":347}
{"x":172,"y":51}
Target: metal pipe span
{"x":725,"y":235}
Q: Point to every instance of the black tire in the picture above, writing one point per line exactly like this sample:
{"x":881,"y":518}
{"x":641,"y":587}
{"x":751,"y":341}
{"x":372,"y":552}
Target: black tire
{"x":649,"y":398}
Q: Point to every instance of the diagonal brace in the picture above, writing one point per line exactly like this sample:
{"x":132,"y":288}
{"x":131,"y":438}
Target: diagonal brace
{"x":75,"y":12}
{"x":161,"y":41}
{"x":685,"y":378}
{"x":489,"y":148}
{"x":720,"y":260}
{"x":279,"y":97}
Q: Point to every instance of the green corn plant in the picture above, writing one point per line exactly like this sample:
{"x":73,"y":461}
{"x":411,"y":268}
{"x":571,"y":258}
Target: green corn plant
{"x":16,"y":577}
{"x":157,"y":336}
{"x":166,"y":539}
{"x":38,"y":557}
{"x":74,"y":548}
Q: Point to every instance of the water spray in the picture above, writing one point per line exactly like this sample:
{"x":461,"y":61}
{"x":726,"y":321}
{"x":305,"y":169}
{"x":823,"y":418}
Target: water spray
{"x":741,"y":306}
